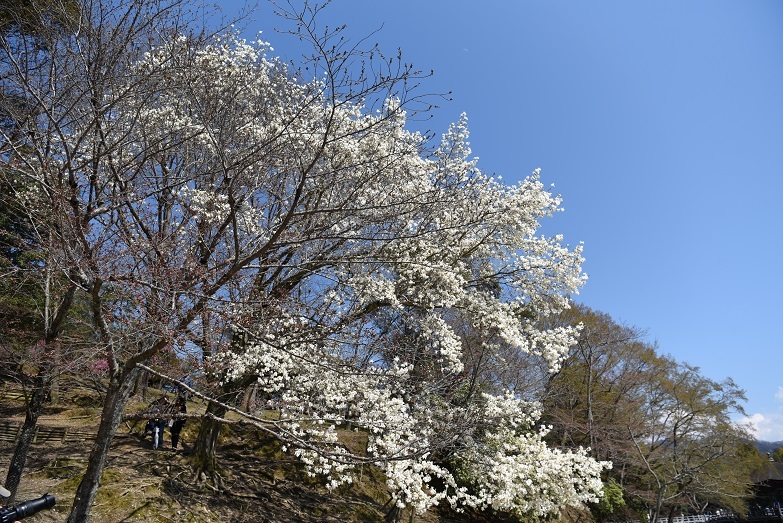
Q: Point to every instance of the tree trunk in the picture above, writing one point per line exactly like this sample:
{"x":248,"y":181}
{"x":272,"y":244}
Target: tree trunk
{"x":54,"y":388}
{"x":41,"y":390}
{"x":140,"y":387}
{"x":249,"y":398}
{"x":658,"y":506}
{"x":34,"y":407}
{"x":54,"y":379}
{"x":204,"y":451}
{"x":117,"y":396}
{"x":394,"y":515}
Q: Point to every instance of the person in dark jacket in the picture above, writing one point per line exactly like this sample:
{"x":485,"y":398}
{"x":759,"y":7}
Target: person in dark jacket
{"x":160,"y":412}
{"x":177,"y":423}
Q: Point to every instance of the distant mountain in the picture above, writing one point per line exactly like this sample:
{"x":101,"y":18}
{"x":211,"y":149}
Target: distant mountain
{"x":768,"y":446}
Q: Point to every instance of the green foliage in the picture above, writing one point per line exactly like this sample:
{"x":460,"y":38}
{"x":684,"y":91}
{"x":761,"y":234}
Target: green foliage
{"x":34,"y":16}
{"x":667,"y":428}
{"x":611,"y":502}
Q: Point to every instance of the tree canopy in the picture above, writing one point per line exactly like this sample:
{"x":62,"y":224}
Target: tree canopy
{"x":669,"y":431}
{"x":193,"y":185}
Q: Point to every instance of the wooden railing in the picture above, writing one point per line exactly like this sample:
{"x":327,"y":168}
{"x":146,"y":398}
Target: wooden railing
{"x":10,"y":432}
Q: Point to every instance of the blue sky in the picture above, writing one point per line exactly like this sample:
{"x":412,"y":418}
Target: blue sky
{"x":661,"y":124}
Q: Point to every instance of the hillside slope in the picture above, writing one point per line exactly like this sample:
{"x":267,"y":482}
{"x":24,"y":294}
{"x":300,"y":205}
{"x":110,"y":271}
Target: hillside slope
{"x":258,"y":482}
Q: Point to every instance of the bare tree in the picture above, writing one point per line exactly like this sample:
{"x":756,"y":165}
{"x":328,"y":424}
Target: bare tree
{"x":61,"y":77}
{"x":34,"y":275}
{"x":693,"y":451}
{"x":667,"y":428}
{"x":595,"y":395}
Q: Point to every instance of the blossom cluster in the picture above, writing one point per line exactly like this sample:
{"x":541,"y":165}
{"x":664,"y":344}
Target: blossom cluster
{"x":363,"y":265}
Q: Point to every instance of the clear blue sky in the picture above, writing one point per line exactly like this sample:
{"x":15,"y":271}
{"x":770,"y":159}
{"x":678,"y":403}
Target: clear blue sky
{"x":661,"y":124}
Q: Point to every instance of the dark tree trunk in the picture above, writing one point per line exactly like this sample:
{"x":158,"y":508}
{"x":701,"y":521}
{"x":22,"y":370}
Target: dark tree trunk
{"x":34,"y":407}
{"x":140,"y":387}
{"x":42,"y":384}
{"x":394,"y":515}
{"x":117,"y":396}
{"x":54,"y":379}
{"x":204,"y":450}
{"x":249,"y":398}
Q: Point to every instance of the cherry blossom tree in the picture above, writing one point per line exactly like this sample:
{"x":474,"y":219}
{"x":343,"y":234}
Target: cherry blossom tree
{"x":203,"y":187}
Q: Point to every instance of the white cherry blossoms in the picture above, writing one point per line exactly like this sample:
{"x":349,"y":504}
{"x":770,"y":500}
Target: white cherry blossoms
{"x":371,"y":267}
{"x":513,"y":470}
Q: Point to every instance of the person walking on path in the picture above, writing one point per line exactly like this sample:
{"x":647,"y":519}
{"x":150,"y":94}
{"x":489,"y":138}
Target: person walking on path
{"x":160,"y":412}
{"x":177,"y":423}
